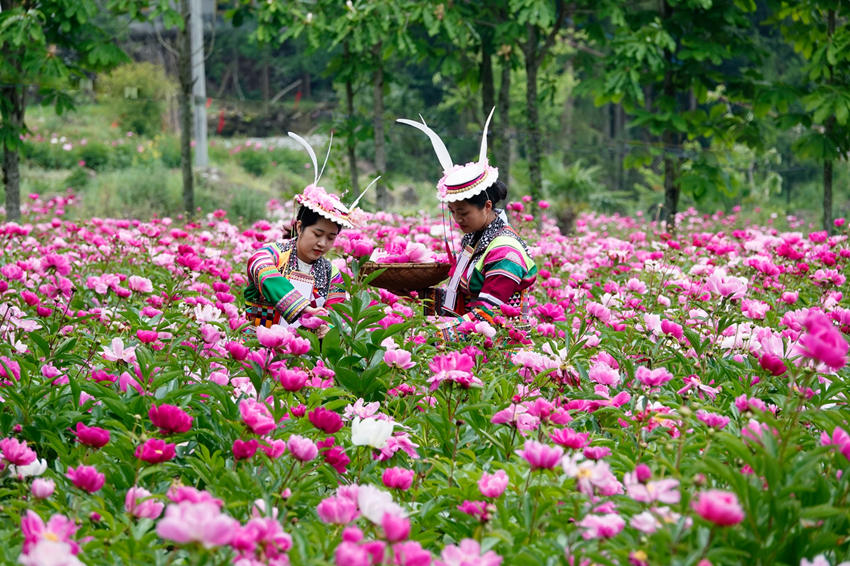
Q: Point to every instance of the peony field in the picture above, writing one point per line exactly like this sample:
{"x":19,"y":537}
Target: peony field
{"x":680,"y":399}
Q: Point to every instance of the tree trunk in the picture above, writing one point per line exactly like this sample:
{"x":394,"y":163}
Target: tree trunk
{"x":567,"y":115}
{"x":502,"y":147}
{"x":264,"y":80}
{"x":351,"y":142}
{"x":829,"y":130}
{"x":13,"y":116}
{"x":827,"y":196}
{"x":184,"y":72}
{"x":671,"y":185}
{"x":381,"y":196}
{"x":532,"y":62}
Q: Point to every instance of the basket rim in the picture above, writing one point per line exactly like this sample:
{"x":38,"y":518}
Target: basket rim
{"x":374,"y":265}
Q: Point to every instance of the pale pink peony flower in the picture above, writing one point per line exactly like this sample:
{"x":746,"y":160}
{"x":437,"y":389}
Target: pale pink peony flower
{"x":601,"y":526}
{"x":467,"y":553}
{"x":202,"y":522}
{"x":138,"y":502}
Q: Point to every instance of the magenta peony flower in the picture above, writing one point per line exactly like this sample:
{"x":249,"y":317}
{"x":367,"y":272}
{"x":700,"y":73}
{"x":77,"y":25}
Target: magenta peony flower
{"x":155,"y":450}
{"x":170,"y":419}
{"x":325,"y":420}
{"x":398,"y":478}
{"x":823,"y":342}
{"x":86,"y":478}
{"x":92,"y":436}
{"x":539,"y":455}
{"x":569,"y":438}
{"x":411,"y":553}
{"x":493,"y":485}
{"x":237,"y":351}
{"x":16,"y":453}
{"x":242,"y":450}
{"x":719,"y":507}
{"x":396,"y":528}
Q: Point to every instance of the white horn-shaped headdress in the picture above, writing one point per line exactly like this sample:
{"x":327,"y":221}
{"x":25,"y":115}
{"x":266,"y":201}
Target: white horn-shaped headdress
{"x":315,"y":197}
{"x":460,"y":182}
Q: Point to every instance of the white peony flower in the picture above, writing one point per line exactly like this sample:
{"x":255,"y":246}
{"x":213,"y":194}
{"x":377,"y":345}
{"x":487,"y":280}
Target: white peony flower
{"x":371,"y":432}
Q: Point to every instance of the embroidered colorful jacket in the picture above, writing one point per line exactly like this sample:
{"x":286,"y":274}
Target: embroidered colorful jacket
{"x":270,"y":295}
{"x":499,"y":272}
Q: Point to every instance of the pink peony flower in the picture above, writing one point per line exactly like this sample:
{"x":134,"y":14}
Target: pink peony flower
{"x":92,"y":436}
{"x":411,"y":553}
{"x":155,"y":450}
{"x":202,"y":522}
{"x":398,"y":478}
{"x":823,"y":342}
{"x":16,"y":453}
{"x":601,"y":526}
{"x":256,"y":416}
{"x":396,"y":529}
{"x":42,"y":488}
{"x":170,"y":419}
{"x":86,"y":478}
{"x":397,"y":358}
{"x":138,"y":502}
{"x":719,"y":507}
{"x":539,"y":455}
{"x":493,"y":485}
{"x":58,"y":528}
{"x":243,"y":450}
{"x":654,"y":377}
{"x":454,"y":367}
{"x":337,"y":510}
{"x":302,"y":449}
{"x":325,"y":420}
{"x":467,"y":553}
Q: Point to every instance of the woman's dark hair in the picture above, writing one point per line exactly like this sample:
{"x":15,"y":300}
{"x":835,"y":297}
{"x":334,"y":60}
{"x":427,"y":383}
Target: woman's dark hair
{"x":495,"y":193}
{"x":308,"y":217}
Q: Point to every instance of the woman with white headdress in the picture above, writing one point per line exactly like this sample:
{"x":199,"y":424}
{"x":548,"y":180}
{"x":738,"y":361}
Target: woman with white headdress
{"x":289,"y":279}
{"x":493,"y":271}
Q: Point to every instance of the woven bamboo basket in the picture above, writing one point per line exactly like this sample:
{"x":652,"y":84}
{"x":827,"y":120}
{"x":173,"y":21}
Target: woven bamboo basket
{"x":401,"y":278}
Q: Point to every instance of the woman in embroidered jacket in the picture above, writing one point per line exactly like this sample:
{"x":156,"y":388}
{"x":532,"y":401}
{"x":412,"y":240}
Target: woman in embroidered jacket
{"x":289,"y":279}
{"x":494,"y":269}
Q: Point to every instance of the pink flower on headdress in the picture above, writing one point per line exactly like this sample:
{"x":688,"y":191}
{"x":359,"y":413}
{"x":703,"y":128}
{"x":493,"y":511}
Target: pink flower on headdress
{"x":317,"y":196}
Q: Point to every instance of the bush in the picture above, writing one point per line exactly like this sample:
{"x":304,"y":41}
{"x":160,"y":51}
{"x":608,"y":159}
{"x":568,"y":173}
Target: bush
{"x":96,"y":155}
{"x":169,"y":147}
{"x":254,"y":161}
{"x":137,"y":93}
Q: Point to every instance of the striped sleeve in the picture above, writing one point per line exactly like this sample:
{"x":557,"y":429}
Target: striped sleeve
{"x":274,"y":288}
{"x":336,"y":292}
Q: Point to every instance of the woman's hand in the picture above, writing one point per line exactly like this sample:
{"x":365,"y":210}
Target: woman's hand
{"x":323,"y":330}
{"x":314,"y":311}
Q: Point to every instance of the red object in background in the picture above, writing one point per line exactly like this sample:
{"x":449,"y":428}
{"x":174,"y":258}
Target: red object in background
{"x":209,"y":102}
{"x":297,"y":98}
{"x":220,"y":125}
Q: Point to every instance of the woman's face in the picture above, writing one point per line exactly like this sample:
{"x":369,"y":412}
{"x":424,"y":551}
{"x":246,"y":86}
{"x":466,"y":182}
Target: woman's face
{"x":469,"y":217}
{"x":315,"y":240}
